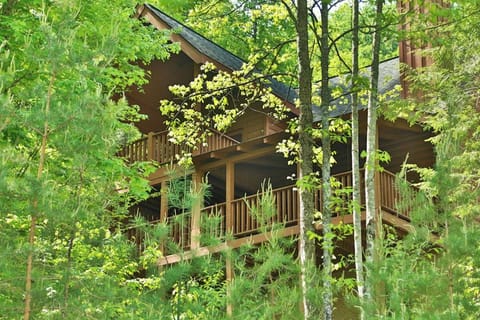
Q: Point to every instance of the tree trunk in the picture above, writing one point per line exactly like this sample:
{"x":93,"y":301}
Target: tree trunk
{"x":35,"y":213}
{"x":372,"y":217}
{"x":357,"y":221}
{"x":326,"y":154}
{"x":306,"y":247}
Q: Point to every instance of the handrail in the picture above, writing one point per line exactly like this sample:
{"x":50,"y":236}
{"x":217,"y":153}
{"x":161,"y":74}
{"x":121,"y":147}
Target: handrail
{"x":158,"y":146}
{"x":287,"y":210}
{"x":224,"y":135}
{"x":180,"y":229}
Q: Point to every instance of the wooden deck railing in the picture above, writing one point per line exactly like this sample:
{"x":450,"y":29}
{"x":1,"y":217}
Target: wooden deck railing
{"x":212,"y":224}
{"x":244,"y":223}
{"x":179,"y":229}
{"x":158,"y":147}
{"x":391,"y":199}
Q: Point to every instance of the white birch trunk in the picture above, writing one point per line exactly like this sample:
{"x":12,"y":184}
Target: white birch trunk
{"x":371,"y":162}
{"x":357,"y":221}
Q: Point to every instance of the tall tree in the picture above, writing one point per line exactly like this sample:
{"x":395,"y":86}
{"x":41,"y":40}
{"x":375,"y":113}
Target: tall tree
{"x":373,"y":219}
{"x":325,"y":97}
{"x":356,"y":184}
{"x":59,"y":66}
{"x":305,"y":138}
{"x":436,"y":268}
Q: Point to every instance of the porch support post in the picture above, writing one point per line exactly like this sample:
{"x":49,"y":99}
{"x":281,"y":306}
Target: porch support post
{"x":163,"y":201}
{"x":229,"y":196}
{"x":163,"y":210}
{"x":197,"y":177}
{"x":229,"y":274}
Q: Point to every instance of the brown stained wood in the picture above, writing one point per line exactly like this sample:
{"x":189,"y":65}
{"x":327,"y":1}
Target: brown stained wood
{"x":249,"y":126}
{"x":397,"y":222}
{"x":163,"y":201}
{"x":231,"y":244}
{"x":187,"y":48}
{"x":274,"y":126}
{"x":242,"y":148}
{"x":193,"y":53}
{"x":229,"y":275}
{"x":254,"y":153}
{"x":229,"y":195}
{"x":164,"y":173}
{"x":149,"y":147}
{"x":388,"y":218}
{"x":239,"y":220}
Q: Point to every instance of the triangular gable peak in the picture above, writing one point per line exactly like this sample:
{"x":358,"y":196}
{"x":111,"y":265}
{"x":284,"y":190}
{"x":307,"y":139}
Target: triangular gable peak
{"x":202,"y":50}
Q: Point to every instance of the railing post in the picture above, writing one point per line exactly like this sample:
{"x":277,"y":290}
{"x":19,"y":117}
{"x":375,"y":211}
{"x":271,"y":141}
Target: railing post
{"x":163,"y":201}
{"x":229,"y":275}
{"x":150,"y":148}
{"x":229,"y":195}
{"x":196,"y":210}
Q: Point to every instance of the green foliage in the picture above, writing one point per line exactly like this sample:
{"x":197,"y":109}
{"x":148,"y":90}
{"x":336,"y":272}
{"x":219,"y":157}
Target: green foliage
{"x":266,"y":275}
{"x":341,"y":35}
{"x":259,"y":30}
{"x":60,"y":63}
{"x":223,"y":97}
{"x":433,"y":272}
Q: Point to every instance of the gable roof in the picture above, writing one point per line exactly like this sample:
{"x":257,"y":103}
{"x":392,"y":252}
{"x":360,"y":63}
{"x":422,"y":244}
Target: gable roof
{"x":211,"y":51}
{"x":201,"y":50}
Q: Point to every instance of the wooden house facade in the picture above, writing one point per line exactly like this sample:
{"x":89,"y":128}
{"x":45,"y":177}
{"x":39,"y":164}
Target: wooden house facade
{"x":237,"y":162}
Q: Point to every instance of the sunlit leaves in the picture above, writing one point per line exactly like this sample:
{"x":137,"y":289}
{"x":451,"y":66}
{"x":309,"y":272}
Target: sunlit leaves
{"x":215,"y":99}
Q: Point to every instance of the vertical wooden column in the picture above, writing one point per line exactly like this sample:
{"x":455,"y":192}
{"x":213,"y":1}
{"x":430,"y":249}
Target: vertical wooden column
{"x":229,"y":220}
{"x":163,"y":201}
{"x":163,"y":209}
{"x":229,"y":196}
{"x":229,"y":274}
{"x":197,"y":177}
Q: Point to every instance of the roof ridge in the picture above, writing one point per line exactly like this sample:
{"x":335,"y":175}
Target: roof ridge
{"x":218,"y":53}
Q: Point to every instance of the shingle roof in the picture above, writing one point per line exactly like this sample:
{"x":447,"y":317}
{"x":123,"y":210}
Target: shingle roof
{"x":388,"y":78}
{"x":217,"y":53}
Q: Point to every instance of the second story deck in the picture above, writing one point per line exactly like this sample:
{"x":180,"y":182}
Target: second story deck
{"x":159,"y":147}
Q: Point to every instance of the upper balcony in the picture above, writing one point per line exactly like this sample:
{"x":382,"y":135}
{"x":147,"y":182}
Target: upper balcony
{"x":156,"y":146}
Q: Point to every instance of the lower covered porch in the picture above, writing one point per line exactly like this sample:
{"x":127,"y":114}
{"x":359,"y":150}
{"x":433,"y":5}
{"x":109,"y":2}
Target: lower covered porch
{"x":242,"y":220}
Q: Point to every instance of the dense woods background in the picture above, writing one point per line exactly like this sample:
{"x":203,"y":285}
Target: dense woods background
{"x":64,"y":195}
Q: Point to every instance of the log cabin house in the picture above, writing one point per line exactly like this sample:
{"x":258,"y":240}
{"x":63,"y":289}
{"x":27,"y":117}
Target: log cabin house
{"x":239,"y":160}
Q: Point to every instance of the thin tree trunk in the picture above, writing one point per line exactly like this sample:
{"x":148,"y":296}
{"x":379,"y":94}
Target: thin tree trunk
{"x":357,"y":221}
{"x":306,"y":247}
{"x":371,"y":162}
{"x":326,"y":154}
{"x":67,"y":274}
{"x":35,"y":212}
